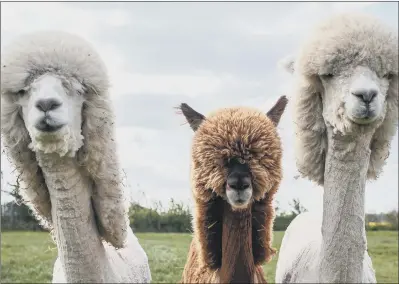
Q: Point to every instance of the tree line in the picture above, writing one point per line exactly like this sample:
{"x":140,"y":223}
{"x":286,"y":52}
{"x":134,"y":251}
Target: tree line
{"x":177,"y":218}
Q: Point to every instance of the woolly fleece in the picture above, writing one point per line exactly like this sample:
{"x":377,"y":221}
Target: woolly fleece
{"x":250,"y":136}
{"x":343,"y":41}
{"x":68,"y":55}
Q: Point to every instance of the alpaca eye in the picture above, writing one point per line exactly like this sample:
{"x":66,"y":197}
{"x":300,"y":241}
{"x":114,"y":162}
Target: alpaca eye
{"x":21,"y":92}
{"x":327,"y":76}
{"x":388,"y":76}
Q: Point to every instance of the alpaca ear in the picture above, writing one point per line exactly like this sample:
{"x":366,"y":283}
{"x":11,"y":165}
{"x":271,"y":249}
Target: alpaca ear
{"x":193,"y":117}
{"x":277,"y":110}
{"x":208,"y":227}
{"x":98,"y":156}
{"x":287,"y":63}
{"x":310,"y":140}
{"x":263,"y":216}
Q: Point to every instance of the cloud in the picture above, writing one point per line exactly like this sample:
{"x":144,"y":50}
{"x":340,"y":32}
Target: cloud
{"x":209,"y":55}
{"x":23,"y":17}
{"x":167,"y":84}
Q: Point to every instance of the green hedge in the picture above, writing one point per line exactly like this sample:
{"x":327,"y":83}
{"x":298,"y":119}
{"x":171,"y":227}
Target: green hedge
{"x":175,"y":219}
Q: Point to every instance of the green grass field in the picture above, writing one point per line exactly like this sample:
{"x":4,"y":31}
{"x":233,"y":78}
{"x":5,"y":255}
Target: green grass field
{"x":29,"y":256}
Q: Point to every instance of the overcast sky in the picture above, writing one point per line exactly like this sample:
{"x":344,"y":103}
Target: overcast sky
{"x":209,"y":55}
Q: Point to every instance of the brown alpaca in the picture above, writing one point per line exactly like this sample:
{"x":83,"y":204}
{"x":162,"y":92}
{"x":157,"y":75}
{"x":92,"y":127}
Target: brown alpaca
{"x":235,"y":173}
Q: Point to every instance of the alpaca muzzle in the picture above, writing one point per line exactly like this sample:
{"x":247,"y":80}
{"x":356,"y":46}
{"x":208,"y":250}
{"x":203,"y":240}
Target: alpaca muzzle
{"x":239,"y":189}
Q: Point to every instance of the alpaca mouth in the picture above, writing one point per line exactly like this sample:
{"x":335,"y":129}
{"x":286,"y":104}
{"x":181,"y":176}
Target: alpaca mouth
{"x":238,"y":198}
{"x":363,"y":116}
{"x":366,"y":118}
{"x":47,"y":124}
{"x":240,"y":201}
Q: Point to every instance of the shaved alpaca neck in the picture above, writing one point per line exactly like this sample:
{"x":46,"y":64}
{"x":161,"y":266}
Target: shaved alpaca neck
{"x":343,"y":227}
{"x":79,"y":246}
{"x":237,"y":259}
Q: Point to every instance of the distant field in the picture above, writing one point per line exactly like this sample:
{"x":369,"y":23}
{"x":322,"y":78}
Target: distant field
{"x":29,"y":256}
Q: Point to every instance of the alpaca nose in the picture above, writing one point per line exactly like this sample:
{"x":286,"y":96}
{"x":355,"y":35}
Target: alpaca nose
{"x":48,"y":104}
{"x":239,"y":181}
{"x":365,"y":95}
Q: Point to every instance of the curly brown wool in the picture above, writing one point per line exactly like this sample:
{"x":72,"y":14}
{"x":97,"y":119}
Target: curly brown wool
{"x":230,"y":245}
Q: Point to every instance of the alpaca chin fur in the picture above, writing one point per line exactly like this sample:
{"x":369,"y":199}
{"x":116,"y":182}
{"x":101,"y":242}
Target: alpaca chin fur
{"x":64,"y":143}
{"x":72,"y":57}
{"x":342,"y":42}
{"x":250,"y":136}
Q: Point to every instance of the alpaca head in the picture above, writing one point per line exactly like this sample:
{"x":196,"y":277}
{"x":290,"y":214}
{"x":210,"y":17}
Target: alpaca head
{"x":51,"y":108}
{"x":352,"y":97}
{"x":236,"y":153}
{"x":346,"y":79}
{"x":54,"y":99}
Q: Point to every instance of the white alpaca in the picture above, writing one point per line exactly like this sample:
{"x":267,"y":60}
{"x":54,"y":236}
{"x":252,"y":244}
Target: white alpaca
{"x":58,"y":129}
{"x":345,"y":115}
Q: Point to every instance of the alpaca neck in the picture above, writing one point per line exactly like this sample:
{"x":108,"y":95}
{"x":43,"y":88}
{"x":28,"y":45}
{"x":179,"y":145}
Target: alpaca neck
{"x":343,"y":227}
{"x":237,"y":259}
{"x":79,"y":246}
